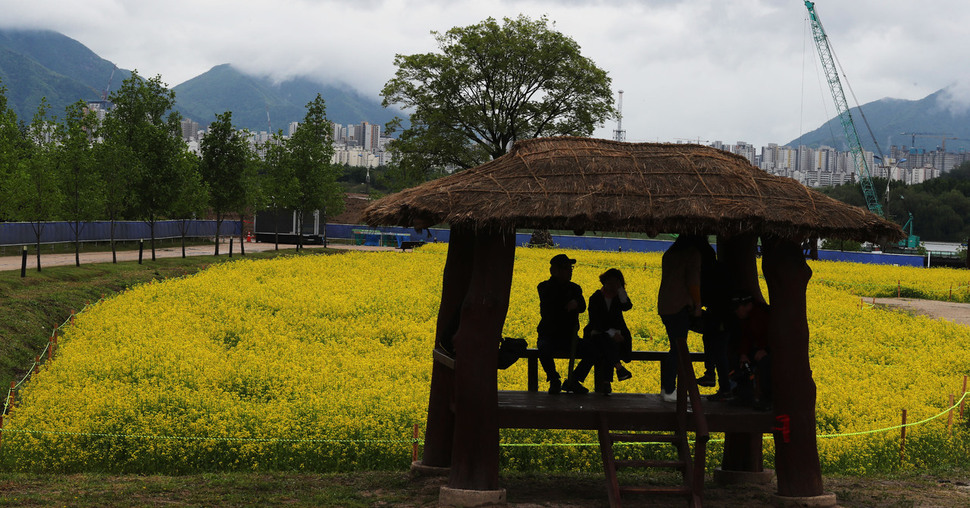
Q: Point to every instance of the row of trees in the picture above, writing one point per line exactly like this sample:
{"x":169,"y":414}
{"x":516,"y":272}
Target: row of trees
{"x":940,"y":207}
{"x":134,"y":165}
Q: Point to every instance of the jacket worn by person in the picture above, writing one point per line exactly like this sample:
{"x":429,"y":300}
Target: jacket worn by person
{"x":754,"y":330}
{"x":555,"y":322}
{"x":604,"y":315}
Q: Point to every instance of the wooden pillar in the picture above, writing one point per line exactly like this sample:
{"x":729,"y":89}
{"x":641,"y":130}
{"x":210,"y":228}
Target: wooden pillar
{"x":796,"y":450}
{"x":440,"y":427}
{"x":475,"y":456}
{"x":738,"y":257}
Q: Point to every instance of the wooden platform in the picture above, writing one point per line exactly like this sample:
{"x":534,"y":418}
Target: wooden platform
{"x":624,"y":411}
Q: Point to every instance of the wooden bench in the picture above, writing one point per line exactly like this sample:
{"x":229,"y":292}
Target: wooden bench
{"x":532,"y":409}
{"x":532,"y":355}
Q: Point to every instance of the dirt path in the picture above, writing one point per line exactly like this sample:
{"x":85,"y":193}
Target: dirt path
{"x":951,"y":311}
{"x":15,"y":262}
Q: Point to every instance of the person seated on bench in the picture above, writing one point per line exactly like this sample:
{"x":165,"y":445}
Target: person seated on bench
{"x":560,"y":304}
{"x":609,"y":339}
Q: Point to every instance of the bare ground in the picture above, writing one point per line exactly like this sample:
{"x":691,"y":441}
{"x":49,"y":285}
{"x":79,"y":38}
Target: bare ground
{"x":952,"y":311}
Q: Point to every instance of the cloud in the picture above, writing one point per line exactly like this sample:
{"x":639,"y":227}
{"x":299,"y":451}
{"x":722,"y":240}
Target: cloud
{"x":738,"y":70}
{"x":956,"y":98}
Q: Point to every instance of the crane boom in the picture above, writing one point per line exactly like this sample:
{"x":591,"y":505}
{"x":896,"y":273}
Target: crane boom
{"x":845,"y":116}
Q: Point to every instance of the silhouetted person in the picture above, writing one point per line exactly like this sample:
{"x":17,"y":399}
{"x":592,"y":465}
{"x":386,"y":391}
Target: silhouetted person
{"x":678,"y":300}
{"x":608,"y":339}
{"x":560,"y":304}
{"x":714,"y":299}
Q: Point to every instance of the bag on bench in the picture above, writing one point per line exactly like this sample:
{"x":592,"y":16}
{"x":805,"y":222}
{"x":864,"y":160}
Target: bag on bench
{"x":510,"y":350}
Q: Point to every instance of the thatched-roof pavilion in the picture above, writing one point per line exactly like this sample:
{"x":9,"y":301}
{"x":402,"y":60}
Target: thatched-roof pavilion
{"x":590,"y":184}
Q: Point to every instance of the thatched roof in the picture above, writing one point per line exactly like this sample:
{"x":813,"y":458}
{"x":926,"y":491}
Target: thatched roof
{"x":601,"y":185}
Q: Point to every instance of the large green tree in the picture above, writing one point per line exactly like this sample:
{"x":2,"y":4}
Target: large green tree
{"x":309,"y":153}
{"x":227,"y":168}
{"x":489,"y":85}
{"x":144,"y":122}
{"x":115,"y":164}
{"x":80,"y":184}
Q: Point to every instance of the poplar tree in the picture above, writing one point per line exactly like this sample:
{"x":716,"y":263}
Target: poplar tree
{"x":310,"y":154}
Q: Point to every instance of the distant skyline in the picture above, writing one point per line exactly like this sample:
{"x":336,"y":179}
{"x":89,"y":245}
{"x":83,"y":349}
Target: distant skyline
{"x":702,"y":70}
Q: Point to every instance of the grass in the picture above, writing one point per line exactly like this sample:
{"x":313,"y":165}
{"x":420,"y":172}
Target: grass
{"x":31,"y":307}
{"x":397,"y":488}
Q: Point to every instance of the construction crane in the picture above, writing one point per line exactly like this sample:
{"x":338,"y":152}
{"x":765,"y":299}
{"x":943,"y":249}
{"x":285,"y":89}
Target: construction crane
{"x":915,"y":135}
{"x":842,"y":106}
{"x":619,"y":134}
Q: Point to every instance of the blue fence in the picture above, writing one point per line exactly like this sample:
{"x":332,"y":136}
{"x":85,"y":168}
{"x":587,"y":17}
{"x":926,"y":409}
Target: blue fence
{"x":22,"y":233}
{"x":346,"y":231}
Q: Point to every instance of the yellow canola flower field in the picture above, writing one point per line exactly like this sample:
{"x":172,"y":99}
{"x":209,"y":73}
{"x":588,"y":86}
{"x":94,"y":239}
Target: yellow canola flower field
{"x":323,"y":363}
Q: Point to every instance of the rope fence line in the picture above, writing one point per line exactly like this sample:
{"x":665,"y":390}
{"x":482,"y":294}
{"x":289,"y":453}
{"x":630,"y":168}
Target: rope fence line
{"x":47,"y":353}
{"x":900,"y":289}
{"x":415,"y":440}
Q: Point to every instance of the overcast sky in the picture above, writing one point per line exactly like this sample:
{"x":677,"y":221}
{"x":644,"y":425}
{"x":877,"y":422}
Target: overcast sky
{"x":705,"y":70}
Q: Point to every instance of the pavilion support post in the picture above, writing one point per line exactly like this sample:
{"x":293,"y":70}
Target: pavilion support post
{"x":796,"y":449}
{"x":743,"y":451}
{"x":738,"y":257}
{"x":440,"y":427}
{"x":475,"y":455}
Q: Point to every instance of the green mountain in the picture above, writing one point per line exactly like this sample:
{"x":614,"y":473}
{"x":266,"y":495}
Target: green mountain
{"x":894,"y":121}
{"x":43,"y":63}
{"x":252,"y":98}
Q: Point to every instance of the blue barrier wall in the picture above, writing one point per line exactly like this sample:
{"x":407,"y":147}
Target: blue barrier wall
{"x":22,"y":233}
{"x":621,"y":244}
{"x":874,"y":258}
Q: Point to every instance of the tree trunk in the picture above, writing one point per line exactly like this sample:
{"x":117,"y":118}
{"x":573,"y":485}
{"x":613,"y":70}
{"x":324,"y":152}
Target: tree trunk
{"x":276,"y":227}
{"x":440,"y":427}
{"x":114,"y":252}
{"x":151,"y":230}
{"x":475,"y":458}
{"x":299,"y":230}
{"x":738,"y":259}
{"x":242,"y":236}
{"x":183,"y":231}
{"x":77,"y":243}
{"x":796,"y":457}
{"x":218,"y":229}
{"x":38,"y":232}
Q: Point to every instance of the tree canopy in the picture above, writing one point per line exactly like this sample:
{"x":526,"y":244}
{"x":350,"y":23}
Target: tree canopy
{"x":309,"y":152}
{"x":492,"y":84}
{"x":227,"y":168}
{"x":144,"y":122}
{"x":940,"y":206}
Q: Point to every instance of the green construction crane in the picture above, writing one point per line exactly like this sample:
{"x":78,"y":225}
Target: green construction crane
{"x":845,"y":117}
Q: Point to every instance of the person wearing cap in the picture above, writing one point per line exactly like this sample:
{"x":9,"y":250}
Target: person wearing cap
{"x":678,"y":301}
{"x":560,"y":304}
